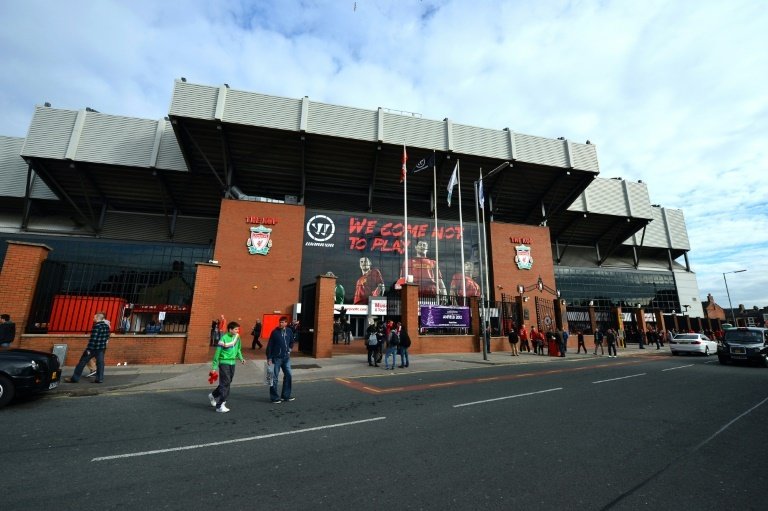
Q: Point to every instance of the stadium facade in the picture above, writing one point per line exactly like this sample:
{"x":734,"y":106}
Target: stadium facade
{"x":250,"y":205}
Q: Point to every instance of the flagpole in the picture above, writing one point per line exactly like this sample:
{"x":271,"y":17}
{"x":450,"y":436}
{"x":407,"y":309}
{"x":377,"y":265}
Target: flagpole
{"x":481,"y":333}
{"x":437,"y":253}
{"x":405,"y":211}
{"x":461,"y":228}
{"x":487,"y":268}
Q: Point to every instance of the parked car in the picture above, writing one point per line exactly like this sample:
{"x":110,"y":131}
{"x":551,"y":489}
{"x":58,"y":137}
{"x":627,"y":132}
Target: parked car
{"x":692,"y":343}
{"x":744,"y":344}
{"x":27,"y":371}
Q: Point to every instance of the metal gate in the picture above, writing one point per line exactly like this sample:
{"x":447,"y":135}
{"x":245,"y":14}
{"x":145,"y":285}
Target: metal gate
{"x":510,"y":314}
{"x":545,"y":314}
{"x":307,"y":323}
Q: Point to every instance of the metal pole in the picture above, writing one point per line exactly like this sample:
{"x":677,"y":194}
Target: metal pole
{"x":733,"y":314}
{"x":482,"y":284}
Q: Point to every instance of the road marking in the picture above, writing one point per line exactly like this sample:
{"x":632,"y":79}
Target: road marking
{"x":233,"y":441}
{"x":356,"y":384}
{"x":506,"y":397}
{"x":705,"y":442}
{"x":621,"y":378}
{"x":678,"y":367}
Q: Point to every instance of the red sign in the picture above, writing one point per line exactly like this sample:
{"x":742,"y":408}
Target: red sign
{"x":263,"y":220}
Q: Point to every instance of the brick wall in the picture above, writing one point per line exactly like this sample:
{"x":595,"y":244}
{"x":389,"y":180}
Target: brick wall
{"x":18,"y":280}
{"x":134,"y":349}
{"x":252,"y":285}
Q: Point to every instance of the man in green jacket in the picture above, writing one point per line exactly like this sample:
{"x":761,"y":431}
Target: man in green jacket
{"x":228,"y":352}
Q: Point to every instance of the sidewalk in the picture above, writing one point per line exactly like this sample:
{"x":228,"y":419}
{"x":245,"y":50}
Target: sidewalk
{"x":149,"y":378}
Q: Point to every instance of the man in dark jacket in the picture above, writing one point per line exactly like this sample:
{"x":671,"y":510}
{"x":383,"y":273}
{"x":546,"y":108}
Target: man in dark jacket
{"x":278,"y":354}
{"x":256,"y":333}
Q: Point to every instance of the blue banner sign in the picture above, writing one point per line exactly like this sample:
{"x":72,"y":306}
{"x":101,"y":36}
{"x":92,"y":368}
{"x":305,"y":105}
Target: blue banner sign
{"x":441,"y":316}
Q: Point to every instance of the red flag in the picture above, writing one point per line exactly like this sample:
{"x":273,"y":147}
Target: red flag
{"x":403,"y":171}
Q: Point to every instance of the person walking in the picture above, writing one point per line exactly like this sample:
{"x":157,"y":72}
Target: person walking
{"x":599,"y":341}
{"x":228,"y":352}
{"x":278,"y":354}
{"x":393,"y":340}
{"x":7,"y":331}
{"x":580,"y":339}
{"x":610,"y":337}
{"x":256,"y":333}
{"x":514,"y":338}
{"x":405,"y":343}
{"x":487,"y":337}
{"x":537,"y":338}
{"x":371,"y":343}
{"x":97,"y":345}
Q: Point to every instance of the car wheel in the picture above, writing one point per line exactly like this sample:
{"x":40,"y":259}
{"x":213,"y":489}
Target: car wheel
{"x":706,"y":351}
{"x":723,"y":360}
{"x":6,"y":390}
{"x":674,"y":353}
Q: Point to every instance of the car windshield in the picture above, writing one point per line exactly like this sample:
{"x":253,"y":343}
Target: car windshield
{"x":743,"y":336}
{"x":687,"y":336}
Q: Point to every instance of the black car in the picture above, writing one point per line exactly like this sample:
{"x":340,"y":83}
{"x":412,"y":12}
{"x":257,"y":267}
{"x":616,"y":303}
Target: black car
{"x":27,"y":371}
{"x":744,"y":344}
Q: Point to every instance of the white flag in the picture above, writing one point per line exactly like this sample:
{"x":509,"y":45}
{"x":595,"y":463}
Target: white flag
{"x":482,"y":197}
{"x":452,"y":182}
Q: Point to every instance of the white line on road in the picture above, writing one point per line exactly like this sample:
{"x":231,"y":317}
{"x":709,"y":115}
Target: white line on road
{"x":705,"y":442}
{"x":506,"y":397}
{"x":622,"y":378}
{"x":678,"y":367}
{"x":233,"y":441}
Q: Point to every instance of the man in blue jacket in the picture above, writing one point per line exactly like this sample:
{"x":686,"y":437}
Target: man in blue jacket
{"x":279,"y":357}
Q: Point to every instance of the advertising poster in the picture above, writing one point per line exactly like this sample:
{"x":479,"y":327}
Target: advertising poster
{"x":366,"y":252}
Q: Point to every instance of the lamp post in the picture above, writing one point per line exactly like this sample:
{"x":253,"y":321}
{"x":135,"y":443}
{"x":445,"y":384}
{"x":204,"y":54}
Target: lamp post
{"x":733,"y":315}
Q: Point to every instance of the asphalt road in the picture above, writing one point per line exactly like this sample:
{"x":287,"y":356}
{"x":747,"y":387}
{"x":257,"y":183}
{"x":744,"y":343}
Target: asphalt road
{"x":628,"y":433}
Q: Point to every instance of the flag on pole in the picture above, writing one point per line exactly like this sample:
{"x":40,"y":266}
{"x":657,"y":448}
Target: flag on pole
{"x":481,"y":196}
{"x":452,"y":182}
{"x":424,"y":164}
{"x":405,"y":160}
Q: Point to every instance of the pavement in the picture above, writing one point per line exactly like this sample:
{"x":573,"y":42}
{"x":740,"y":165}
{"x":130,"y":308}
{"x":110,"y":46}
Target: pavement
{"x":153,"y":378}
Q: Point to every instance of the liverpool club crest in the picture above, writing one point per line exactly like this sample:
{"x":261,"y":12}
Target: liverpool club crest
{"x":259,"y":242}
{"x":523,"y":258}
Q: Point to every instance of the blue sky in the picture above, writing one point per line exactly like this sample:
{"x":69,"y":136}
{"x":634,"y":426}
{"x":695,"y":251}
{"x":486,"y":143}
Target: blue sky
{"x":671,"y":92}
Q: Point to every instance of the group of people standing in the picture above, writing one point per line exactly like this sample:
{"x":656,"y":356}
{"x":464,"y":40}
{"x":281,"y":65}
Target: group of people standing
{"x":537,"y":338}
{"x":387,"y":340}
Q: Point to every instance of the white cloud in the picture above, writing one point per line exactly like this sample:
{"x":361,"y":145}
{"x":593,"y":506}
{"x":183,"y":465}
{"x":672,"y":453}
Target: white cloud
{"x":671,"y":92}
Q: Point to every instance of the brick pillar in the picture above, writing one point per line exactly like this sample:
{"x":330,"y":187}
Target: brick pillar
{"x":18,"y":281}
{"x":409,"y":314}
{"x":592,"y":319}
{"x":197,"y":349}
{"x":640,"y":318}
{"x":325,"y":292}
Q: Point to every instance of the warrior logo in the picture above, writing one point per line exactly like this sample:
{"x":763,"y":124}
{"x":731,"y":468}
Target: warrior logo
{"x":320,"y":228}
{"x":523,"y":258}
{"x":259,"y":242}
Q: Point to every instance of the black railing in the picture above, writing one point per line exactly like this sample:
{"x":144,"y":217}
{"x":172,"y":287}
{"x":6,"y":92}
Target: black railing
{"x":136,"y":300}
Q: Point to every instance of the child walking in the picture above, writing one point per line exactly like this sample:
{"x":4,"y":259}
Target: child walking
{"x":228,"y":352}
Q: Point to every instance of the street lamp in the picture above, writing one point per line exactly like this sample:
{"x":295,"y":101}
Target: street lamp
{"x":733,"y":315}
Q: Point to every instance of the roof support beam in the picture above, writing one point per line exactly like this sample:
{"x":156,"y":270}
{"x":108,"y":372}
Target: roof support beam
{"x":224,"y":188}
{"x":52,"y":183}
{"x":86,"y":176}
{"x":27,"y":199}
{"x":372,"y":186}
{"x":303,"y":190}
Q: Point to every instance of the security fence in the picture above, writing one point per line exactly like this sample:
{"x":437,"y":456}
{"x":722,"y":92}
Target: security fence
{"x":135,"y":300}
